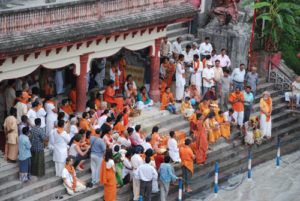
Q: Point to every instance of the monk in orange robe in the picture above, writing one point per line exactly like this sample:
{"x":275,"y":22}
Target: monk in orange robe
{"x":187,"y":164}
{"x":72,"y":97}
{"x":167,"y":101}
{"x":109,"y":96}
{"x":224,"y":125}
{"x":108,"y":177}
{"x":193,"y":119}
{"x":155,"y":138}
{"x":84,"y":123}
{"x":122,"y":68}
{"x":97,"y":101}
{"x":201,"y":145}
{"x":203,"y":105}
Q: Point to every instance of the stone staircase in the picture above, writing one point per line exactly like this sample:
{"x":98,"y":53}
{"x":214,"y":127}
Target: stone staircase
{"x":180,"y":29}
{"x":230,"y":154}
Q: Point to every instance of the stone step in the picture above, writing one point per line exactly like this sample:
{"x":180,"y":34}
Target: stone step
{"x":185,"y":37}
{"x":240,"y":157}
{"x":41,"y":185}
{"x":11,"y":174}
{"x":177,"y":32}
{"x":50,"y":193}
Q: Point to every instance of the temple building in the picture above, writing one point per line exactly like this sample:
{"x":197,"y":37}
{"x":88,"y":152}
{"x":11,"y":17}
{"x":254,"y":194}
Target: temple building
{"x":71,"y":34}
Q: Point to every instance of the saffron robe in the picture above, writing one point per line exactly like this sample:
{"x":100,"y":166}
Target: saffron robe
{"x":108,"y":178}
{"x":201,"y":145}
{"x":109,"y":98}
{"x":187,"y":158}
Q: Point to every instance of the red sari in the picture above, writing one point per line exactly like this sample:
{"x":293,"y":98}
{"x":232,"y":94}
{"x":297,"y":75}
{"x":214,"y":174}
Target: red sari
{"x":201,"y":145}
{"x":108,"y":97}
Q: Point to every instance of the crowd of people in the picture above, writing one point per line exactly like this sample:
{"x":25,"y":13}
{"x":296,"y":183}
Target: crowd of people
{"x":105,"y":134}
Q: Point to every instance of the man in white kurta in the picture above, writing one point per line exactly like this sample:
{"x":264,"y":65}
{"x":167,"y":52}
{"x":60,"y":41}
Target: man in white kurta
{"x":59,"y":82}
{"x":295,"y":87}
{"x":208,"y":77}
{"x":60,"y":149}
{"x":196,"y":70}
{"x":99,"y":77}
{"x":180,"y":78}
{"x":50,"y":107}
{"x":31,"y":114}
{"x":173,"y":148}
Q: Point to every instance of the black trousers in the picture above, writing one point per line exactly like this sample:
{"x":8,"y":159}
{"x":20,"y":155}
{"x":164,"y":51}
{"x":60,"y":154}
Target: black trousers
{"x":146,"y":190}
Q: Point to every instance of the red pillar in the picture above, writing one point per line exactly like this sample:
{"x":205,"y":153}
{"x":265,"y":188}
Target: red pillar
{"x":154,"y":79}
{"x":81,"y":84}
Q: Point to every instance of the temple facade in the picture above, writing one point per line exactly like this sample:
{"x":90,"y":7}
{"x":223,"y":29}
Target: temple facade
{"x":57,"y":35}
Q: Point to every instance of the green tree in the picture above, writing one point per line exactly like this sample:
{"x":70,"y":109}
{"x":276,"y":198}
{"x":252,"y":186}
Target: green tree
{"x":281,"y":18}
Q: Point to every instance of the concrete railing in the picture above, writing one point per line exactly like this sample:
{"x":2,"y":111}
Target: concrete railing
{"x":27,"y":19}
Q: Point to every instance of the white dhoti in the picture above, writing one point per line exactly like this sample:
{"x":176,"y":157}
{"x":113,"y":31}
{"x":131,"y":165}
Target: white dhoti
{"x":179,"y":92}
{"x":265,"y":126}
{"x":174,"y":155}
{"x":59,"y":167}
{"x":141,"y":105}
{"x":288,"y":96}
{"x":79,"y":187}
{"x":239,"y":117}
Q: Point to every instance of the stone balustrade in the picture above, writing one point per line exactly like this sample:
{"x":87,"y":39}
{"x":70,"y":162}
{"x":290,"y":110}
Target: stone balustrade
{"x":47,"y":16}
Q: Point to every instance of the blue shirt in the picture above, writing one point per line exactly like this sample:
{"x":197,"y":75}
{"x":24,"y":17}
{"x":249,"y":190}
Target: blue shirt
{"x":24,"y":147}
{"x":166,"y":172}
{"x":97,"y":146}
{"x":248,"y":97}
{"x":38,"y":138}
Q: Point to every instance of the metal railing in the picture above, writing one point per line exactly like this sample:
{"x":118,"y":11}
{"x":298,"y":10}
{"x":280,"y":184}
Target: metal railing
{"x":46,"y":16}
{"x":279,"y":77}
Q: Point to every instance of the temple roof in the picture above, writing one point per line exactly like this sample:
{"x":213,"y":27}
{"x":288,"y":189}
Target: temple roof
{"x":27,"y":42}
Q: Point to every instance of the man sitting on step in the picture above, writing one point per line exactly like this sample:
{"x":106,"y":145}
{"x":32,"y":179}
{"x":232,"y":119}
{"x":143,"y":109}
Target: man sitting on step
{"x":295,"y":93}
{"x":71,"y":182}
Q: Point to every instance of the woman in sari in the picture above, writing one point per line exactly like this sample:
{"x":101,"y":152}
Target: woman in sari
{"x":108,"y":178}
{"x":119,"y":169}
{"x":201,"y":145}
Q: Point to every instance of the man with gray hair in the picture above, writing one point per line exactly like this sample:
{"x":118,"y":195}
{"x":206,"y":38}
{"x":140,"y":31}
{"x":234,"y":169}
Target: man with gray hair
{"x":295,"y":93}
{"x":252,"y":80}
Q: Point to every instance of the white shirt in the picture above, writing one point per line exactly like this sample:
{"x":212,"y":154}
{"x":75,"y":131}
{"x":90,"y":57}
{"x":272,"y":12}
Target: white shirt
{"x":180,"y":80}
{"x":208,"y":73}
{"x":146,"y":173}
{"x":32,"y":115}
{"x":73,"y":130}
{"x":173,"y":150}
{"x":238,"y":75}
{"x":110,"y":164}
{"x":188,"y":57}
{"x":136,"y":161}
{"x":42,"y":115}
{"x":176,"y":47}
{"x":60,"y":146}
{"x":147,"y":146}
{"x":68,"y":176}
{"x":296,"y":88}
{"x":195,"y":51}
{"x":205,"y":47}
{"x":124,"y":142}
{"x":165,"y":49}
{"x":102,"y":120}
{"x":224,"y":60}
{"x":133,"y":85}
{"x":227,"y":117}
{"x":137,"y":138}
{"x":21,"y":110}
{"x":213,"y":60}
{"x":126,"y":167}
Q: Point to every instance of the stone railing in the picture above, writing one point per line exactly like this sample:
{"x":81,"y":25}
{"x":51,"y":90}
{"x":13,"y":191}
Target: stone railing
{"x":279,"y":77}
{"x":27,"y":19}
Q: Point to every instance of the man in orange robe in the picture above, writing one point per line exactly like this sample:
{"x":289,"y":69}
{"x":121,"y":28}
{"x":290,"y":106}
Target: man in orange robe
{"x":84,"y":123}
{"x":265,"y":105}
{"x":187,"y":164}
{"x":237,"y":100}
{"x":167,"y":101}
{"x":72,"y":97}
{"x":109,"y":96}
{"x":201,"y":145}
